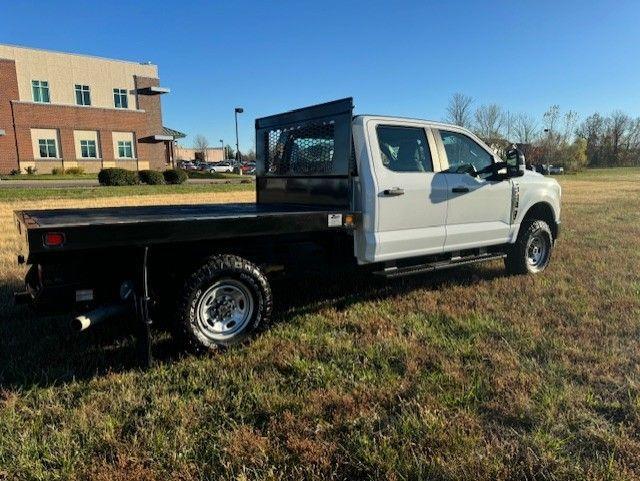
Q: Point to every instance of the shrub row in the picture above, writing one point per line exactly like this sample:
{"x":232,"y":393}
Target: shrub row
{"x":151,"y":177}
{"x":117,"y":176}
{"x":175,"y":176}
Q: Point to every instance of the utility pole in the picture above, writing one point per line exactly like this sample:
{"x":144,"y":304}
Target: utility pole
{"x":237,"y":111}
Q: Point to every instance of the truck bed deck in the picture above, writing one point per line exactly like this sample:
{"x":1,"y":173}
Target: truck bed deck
{"x":147,"y":225}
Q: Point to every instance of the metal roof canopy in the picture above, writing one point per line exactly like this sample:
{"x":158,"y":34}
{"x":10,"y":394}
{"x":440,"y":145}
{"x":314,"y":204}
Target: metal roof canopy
{"x":153,"y":90}
{"x":176,"y":134}
{"x":152,"y":139}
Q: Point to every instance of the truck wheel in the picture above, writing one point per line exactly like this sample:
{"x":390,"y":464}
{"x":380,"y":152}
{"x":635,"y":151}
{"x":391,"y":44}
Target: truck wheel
{"x":532,"y":251}
{"x":222,"y":303}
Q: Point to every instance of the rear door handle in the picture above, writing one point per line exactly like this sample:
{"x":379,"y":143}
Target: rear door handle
{"x":393,"y":192}
{"x":460,"y":190}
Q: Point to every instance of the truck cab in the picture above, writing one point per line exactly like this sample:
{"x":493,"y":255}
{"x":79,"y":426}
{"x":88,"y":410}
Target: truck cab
{"x":427,"y":188}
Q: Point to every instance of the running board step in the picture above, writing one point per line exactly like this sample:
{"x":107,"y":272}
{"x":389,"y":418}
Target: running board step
{"x":391,"y":272}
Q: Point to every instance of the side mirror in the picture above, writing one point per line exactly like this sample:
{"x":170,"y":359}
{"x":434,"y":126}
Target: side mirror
{"x":515,"y":162}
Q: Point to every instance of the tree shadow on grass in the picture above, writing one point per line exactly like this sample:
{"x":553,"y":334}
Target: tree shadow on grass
{"x":37,"y":350}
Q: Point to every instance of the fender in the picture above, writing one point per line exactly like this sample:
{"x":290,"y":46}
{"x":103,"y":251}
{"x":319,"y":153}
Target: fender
{"x":527,"y":194}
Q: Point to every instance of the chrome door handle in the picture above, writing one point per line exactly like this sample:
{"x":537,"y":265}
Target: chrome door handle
{"x":460,"y":190}
{"x":395,"y":191}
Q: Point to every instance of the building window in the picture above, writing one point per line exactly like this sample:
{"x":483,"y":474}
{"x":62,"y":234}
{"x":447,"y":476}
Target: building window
{"x":47,"y":148}
{"x":40,"y":90}
{"x":88,"y":149}
{"x":120,"y":98}
{"x":125,"y":149}
{"x":83,"y":95}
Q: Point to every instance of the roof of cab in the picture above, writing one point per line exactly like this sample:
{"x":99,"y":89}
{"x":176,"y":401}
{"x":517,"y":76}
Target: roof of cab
{"x":392,"y":118}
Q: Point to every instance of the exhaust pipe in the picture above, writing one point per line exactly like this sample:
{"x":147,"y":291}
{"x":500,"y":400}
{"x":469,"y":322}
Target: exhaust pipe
{"x":98,"y":315}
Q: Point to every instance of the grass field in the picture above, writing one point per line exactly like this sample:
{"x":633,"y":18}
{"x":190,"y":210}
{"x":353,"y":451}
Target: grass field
{"x":14,"y":194}
{"x":48,"y":177}
{"x":469,"y":374}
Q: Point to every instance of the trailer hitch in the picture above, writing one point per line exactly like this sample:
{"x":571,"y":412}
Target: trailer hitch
{"x":134,"y":297}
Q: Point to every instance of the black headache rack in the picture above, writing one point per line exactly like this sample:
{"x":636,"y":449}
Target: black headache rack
{"x":305,"y":156}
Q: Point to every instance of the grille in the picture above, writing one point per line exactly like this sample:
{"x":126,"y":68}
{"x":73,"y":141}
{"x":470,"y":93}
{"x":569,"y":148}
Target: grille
{"x":300,"y":150}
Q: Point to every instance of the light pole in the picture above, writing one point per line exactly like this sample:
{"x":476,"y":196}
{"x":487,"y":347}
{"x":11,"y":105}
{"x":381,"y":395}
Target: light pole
{"x":222,"y":147}
{"x":237,"y":111}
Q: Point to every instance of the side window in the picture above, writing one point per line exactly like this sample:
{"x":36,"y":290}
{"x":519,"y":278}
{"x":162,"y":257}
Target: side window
{"x":404,"y":149}
{"x":464,"y":154}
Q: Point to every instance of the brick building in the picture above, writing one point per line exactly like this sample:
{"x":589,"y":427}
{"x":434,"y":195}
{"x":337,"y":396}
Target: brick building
{"x":67,"y":110}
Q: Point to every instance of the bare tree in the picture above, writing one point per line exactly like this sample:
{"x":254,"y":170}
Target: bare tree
{"x":229,"y":153}
{"x":525,"y":129}
{"x":488,"y":122}
{"x":249,"y":155}
{"x":550,"y":119}
{"x":569,"y":126}
{"x":459,"y":110}
{"x":618,"y":126}
{"x":592,"y":129}
{"x":508,"y":125}
{"x":201,"y":144}
{"x":559,"y":133}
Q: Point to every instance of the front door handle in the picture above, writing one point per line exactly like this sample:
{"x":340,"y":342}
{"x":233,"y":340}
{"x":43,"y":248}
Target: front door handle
{"x":460,"y":190}
{"x":395,"y":191}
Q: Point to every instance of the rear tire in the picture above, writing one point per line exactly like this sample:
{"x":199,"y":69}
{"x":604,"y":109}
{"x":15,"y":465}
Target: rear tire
{"x":222,"y":303}
{"x":532,"y":251}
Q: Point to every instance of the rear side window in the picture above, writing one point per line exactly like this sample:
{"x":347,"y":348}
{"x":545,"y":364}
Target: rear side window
{"x":404,"y":149}
{"x":463,"y":153}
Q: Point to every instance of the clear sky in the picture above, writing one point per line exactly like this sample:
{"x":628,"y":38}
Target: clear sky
{"x":399,"y":58}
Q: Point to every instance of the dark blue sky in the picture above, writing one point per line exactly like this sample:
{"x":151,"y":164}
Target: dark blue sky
{"x":401,"y":58}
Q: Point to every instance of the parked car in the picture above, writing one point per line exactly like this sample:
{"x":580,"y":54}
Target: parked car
{"x":415,"y":196}
{"x":548,"y":169}
{"x":222,"y":167}
{"x":186,"y":165}
{"x":248,"y":168}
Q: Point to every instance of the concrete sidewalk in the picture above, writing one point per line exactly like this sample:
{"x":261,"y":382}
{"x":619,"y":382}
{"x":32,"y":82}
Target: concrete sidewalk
{"x":61,"y":184}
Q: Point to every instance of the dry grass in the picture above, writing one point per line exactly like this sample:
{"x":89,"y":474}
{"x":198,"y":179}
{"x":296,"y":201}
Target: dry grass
{"x":468,"y":374}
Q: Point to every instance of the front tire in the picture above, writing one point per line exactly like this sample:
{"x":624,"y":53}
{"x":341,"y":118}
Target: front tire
{"x":532,"y":251}
{"x":222,"y":303}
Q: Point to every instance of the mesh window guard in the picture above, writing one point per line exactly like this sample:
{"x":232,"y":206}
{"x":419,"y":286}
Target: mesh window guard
{"x":300,"y":150}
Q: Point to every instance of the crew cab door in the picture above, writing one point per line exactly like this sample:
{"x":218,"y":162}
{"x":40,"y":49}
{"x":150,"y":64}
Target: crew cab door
{"x":406,"y":195}
{"x":479,"y":207}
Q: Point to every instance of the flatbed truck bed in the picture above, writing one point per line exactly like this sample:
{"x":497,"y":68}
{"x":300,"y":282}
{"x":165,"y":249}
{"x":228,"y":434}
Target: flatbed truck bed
{"x":106,"y":227}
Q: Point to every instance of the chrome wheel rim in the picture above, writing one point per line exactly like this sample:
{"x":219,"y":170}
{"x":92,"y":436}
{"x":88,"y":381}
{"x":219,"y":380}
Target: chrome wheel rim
{"x":224,"y":309}
{"x":537,"y":251}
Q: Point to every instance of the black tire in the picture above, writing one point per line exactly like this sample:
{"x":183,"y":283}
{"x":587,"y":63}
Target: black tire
{"x":226,"y":291}
{"x":521,"y":258}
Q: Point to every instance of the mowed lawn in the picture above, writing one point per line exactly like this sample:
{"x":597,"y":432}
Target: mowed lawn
{"x":468,"y":374}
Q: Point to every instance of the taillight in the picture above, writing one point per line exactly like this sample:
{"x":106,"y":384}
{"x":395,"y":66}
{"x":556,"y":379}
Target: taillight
{"x":53,"y":239}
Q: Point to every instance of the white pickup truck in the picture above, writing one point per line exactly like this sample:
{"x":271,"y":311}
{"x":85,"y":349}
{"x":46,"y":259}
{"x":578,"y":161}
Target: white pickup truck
{"x":391,"y":195}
